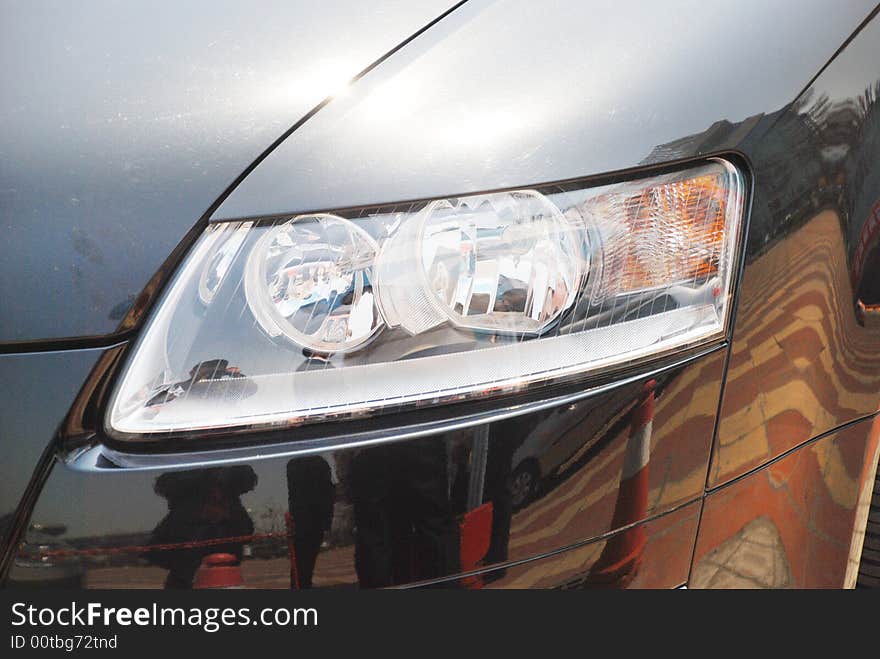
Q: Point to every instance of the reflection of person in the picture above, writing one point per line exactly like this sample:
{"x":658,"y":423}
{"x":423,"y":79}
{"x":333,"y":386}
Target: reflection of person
{"x":310,"y":496}
{"x":405,"y":525}
{"x":203,"y":504}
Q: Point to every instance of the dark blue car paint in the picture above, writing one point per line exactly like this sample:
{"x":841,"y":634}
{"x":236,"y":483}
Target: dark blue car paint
{"x":801,"y":393}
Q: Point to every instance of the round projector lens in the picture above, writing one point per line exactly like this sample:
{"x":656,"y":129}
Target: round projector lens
{"x":310,"y":279}
{"x":504,"y":263}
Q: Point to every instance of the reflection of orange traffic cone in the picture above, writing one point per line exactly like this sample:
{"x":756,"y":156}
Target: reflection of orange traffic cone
{"x":219,"y":571}
{"x":622,"y":554}
{"x":476,"y":535}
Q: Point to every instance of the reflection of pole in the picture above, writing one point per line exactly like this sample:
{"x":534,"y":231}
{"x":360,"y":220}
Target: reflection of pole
{"x":479,"y":457}
{"x":291,"y":550}
{"x":476,"y":527}
{"x":623,"y":552}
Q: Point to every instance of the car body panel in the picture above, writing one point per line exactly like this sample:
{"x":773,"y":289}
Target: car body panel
{"x":804,"y":360}
{"x":43,"y":386}
{"x":356,"y":511}
{"x":797,"y":409}
{"x":123,"y":123}
{"x":661,"y":559}
{"x":117,"y":144}
{"x":515,"y":93}
{"x":795,"y":522}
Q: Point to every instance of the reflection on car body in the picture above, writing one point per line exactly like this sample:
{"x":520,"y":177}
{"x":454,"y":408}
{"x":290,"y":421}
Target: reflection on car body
{"x":746,"y":460}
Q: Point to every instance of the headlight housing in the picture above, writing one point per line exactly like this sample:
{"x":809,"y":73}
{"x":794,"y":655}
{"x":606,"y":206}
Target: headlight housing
{"x":280,"y":322}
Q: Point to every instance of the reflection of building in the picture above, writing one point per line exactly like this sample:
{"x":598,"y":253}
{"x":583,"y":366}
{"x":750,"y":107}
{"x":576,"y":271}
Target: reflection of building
{"x":719,"y":136}
{"x":792,"y":134}
{"x":814,"y":146}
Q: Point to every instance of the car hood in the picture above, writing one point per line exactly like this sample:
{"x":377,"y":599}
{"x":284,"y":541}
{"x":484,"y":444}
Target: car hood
{"x":123,"y":124}
{"x":514,"y":93}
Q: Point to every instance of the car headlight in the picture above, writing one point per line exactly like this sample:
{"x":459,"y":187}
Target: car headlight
{"x":279,"y":322}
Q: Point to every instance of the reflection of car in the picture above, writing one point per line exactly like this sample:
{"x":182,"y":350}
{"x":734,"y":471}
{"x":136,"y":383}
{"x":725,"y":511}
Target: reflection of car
{"x":423,"y":274}
{"x":559,"y":441}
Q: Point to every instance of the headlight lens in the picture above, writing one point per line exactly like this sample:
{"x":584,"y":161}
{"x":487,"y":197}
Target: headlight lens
{"x":311,"y":279}
{"x":284,"y":322}
{"x":506,"y":263}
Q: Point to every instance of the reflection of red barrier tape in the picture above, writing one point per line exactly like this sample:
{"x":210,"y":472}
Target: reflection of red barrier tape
{"x":143,"y":549}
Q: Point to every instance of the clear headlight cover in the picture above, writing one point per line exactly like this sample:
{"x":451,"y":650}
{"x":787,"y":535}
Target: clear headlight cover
{"x":323,"y":316}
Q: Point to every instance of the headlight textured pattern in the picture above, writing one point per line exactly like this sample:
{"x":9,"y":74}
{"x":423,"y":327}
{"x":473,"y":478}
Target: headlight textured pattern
{"x":274,"y":323}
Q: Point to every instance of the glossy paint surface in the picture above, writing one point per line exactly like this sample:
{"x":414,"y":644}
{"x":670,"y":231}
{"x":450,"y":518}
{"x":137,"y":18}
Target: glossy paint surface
{"x":806,"y":347}
{"x":396,"y":513}
{"x":655,"y":554}
{"x":803,"y":359}
{"x":123,"y":123}
{"x":793,"y":523}
{"x":513,"y":93}
{"x":43,"y":386}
